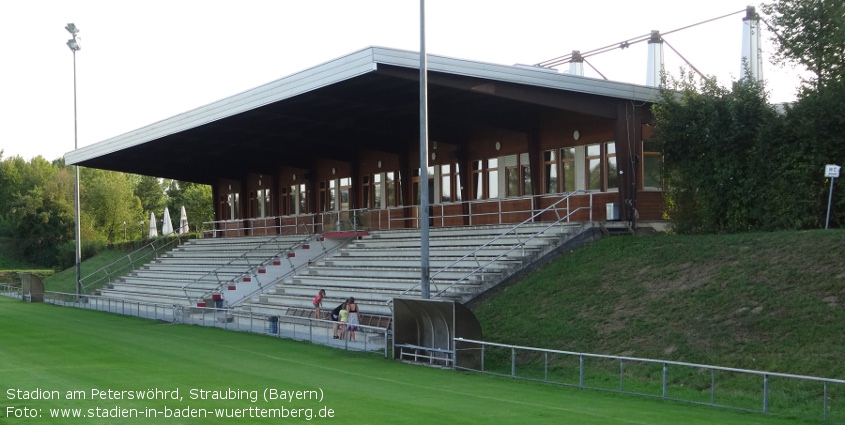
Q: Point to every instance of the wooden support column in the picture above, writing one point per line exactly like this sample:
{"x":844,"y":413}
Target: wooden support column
{"x":629,"y":146}
{"x":534,"y":163}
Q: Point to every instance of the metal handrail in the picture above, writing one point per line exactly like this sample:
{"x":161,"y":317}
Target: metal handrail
{"x":293,"y":271}
{"x":244,"y":255}
{"x":474,"y":253}
{"x":381,"y":218}
{"x":155,"y":249}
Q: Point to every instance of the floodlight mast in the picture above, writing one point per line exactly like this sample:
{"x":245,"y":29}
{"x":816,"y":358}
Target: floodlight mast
{"x":423,"y":213}
{"x":74,"y":46}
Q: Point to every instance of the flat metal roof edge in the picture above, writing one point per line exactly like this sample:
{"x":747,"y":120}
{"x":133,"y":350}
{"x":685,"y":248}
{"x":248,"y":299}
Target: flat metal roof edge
{"x":349,"y":66}
{"x":322,"y":75}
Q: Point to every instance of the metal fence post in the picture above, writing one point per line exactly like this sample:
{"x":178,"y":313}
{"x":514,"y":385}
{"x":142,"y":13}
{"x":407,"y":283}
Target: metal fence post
{"x":482,"y":356}
{"x":665,"y":381}
{"x":712,"y":386}
{"x":765,"y":393}
{"x":581,"y":371}
{"x":824,"y":403}
{"x":513,"y":362}
{"x":546,"y":366}
{"x":621,"y":375}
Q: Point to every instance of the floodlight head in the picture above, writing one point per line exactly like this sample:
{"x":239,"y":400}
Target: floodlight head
{"x":74,"y":45}
{"x":71,"y":28}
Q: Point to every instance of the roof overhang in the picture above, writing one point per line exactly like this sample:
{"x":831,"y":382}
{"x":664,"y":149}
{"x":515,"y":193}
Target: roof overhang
{"x":365,"y":100}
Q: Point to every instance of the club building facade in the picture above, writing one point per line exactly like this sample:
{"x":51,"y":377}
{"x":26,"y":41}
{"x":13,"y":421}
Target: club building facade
{"x":336,"y":147}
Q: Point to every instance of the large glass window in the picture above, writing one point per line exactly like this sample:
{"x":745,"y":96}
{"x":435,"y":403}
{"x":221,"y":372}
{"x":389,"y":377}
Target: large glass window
{"x":302,"y":195}
{"x":550,"y":178}
{"x":594,"y":173}
{"x":446,"y":188}
{"x":343,"y":193}
{"x":390,"y":188}
{"x":477,"y":180}
{"x":457,"y":187}
{"x":517,"y":175}
{"x":612,"y":170}
{"x":234,"y":205}
{"x":324,"y":196}
{"x":567,"y":165}
{"x":652,"y":165}
{"x":377,"y":191}
{"x":493,"y":178}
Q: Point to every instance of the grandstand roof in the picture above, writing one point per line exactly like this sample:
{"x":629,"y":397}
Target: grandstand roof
{"x":368,"y":99}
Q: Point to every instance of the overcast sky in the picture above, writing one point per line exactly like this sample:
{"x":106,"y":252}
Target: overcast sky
{"x":144,"y":61}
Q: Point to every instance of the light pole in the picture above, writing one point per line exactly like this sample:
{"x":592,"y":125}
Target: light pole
{"x":73,"y":43}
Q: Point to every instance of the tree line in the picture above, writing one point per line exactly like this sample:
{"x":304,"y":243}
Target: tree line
{"x":38,"y":208}
{"x":733,"y":162}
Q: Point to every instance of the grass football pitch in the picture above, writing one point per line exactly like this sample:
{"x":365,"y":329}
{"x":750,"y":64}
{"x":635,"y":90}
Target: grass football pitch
{"x":70,"y":366}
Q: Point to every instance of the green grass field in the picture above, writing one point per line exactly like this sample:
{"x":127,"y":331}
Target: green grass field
{"x":56,"y":350}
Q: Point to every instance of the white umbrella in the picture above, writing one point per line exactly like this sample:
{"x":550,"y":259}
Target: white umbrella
{"x":167,"y":225}
{"x":183,"y":222}
{"x":153,"y":228}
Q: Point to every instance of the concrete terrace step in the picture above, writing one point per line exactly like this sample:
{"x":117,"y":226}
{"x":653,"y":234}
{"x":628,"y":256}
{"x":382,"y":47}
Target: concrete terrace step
{"x":467,"y":242}
{"x":435,"y":262}
{"x":170,"y":283}
{"x":377,"y":284}
{"x":453,"y":251}
{"x":187,"y":275}
{"x":118,"y":296}
{"x":195,"y":268}
{"x":251,"y":240}
{"x":392,"y":271}
{"x":189,"y":292}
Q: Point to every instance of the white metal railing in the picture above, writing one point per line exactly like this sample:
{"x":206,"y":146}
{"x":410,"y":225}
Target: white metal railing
{"x":281,"y":248}
{"x":480,"y":268}
{"x":776,"y":393}
{"x":291,"y":272}
{"x":10,"y":291}
{"x":478,"y":212}
{"x":369,"y":338}
{"x":123,"y":265}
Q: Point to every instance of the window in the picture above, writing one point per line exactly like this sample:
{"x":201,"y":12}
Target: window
{"x":390,"y":187}
{"x":303,"y":199}
{"x":343,"y":193}
{"x":652,"y":165}
{"x":517,"y":175}
{"x":285,"y":203}
{"x":446,"y":189}
{"x":477,"y":180}
{"x":234,"y":207}
{"x":612,"y":175}
{"x":550,"y":178}
{"x":377,"y":191}
{"x":261,"y":203}
{"x":602,"y":170}
{"x":324,"y":197}
{"x":493,"y":178}
{"x":594,"y":173}
{"x":567,"y":166}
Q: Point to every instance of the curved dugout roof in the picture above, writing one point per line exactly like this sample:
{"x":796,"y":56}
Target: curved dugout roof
{"x":365,"y":100}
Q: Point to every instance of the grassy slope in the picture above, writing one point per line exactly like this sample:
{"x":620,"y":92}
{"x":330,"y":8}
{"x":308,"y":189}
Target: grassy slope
{"x":760,"y":301}
{"x":65,"y":280}
{"x":53,"y":348}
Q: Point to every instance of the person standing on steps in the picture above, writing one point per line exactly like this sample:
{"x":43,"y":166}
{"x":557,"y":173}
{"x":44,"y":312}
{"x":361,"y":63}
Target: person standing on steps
{"x":318,"y":302}
{"x":336,"y":331}
{"x":344,"y":316}
{"x":354,"y":320}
